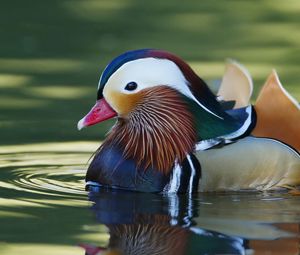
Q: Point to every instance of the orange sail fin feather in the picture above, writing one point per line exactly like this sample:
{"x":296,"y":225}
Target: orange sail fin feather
{"x":158,"y":132}
{"x":278,"y":113}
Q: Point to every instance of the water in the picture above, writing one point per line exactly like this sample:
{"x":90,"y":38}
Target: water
{"x":44,"y":209}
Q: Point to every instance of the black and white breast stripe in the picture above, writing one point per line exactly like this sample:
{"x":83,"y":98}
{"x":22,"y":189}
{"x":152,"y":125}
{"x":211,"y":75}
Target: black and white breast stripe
{"x":185,"y":177}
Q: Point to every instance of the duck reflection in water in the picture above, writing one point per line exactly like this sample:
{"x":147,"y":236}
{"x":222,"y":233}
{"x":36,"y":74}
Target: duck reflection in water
{"x":148,"y":223}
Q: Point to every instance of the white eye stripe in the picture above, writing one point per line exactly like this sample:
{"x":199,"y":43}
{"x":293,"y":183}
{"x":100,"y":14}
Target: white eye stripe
{"x":147,"y":73}
{"x":151,"y":72}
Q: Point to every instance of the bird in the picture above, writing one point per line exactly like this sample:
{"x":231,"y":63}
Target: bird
{"x":173,"y":135}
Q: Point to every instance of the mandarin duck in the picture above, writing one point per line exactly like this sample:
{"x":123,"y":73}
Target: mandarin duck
{"x":173,"y":134}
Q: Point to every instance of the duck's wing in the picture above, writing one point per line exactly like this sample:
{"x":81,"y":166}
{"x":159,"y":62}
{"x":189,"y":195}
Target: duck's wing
{"x":236,"y":85}
{"x":278,"y":113}
{"x":246,"y":119}
{"x":249,"y":163}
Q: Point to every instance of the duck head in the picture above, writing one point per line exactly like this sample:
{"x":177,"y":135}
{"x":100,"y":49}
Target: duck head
{"x":162,"y":107}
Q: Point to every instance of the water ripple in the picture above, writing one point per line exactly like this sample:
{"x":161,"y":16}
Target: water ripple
{"x":48,"y":171}
{"x":50,"y":181}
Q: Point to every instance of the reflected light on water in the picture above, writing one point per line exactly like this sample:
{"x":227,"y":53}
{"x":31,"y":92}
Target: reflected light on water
{"x":47,"y":171}
{"x":48,"y":181}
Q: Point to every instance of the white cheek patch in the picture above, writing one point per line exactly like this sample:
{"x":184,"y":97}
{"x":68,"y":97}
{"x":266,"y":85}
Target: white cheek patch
{"x":148,"y":73}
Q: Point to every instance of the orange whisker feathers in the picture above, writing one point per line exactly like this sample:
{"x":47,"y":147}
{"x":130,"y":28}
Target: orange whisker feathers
{"x":159,"y":131}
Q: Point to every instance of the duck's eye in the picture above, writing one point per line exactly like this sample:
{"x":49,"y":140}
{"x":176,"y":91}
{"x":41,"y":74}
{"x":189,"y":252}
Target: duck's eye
{"x":131,"y":86}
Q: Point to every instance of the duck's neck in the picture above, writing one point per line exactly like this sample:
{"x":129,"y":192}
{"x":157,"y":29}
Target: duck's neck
{"x":211,"y":120}
{"x":210,"y":125}
{"x":158,"y":133}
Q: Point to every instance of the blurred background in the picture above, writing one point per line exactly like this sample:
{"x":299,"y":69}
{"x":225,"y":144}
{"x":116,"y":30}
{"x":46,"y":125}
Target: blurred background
{"x":53,"y":52}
